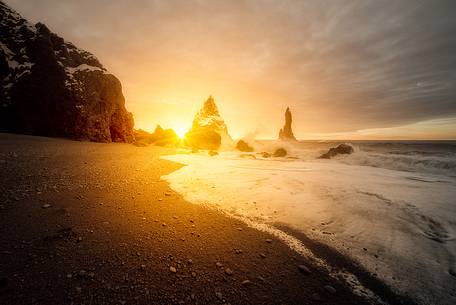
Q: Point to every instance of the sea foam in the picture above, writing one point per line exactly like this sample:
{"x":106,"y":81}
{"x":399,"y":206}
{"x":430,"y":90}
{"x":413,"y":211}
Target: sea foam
{"x":397,"y":224}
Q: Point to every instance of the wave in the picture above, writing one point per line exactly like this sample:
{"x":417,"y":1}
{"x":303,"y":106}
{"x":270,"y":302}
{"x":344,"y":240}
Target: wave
{"x":430,"y":157}
{"x":389,"y":222}
{"x":443,"y":164}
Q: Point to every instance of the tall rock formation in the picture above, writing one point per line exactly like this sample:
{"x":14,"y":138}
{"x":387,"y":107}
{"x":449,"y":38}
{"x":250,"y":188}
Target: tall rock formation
{"x":50,"y":87}
{"x":208,"y":130}
{"x":286,"y":133}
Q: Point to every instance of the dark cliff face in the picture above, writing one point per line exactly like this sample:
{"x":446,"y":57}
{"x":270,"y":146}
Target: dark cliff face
{"x":50,"y":87}
{"x":286,"y":133}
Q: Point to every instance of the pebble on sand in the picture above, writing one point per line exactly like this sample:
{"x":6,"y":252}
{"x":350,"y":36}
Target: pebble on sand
{"x":228,"y":271}
{"x":172,"y":269}
{"x":316,"y":297}
{"x":330,"y":289}
{"x":304,"y":270}
{"x":46,"y":205}
{"x":268,"y":241}
{"x":219,"y":295}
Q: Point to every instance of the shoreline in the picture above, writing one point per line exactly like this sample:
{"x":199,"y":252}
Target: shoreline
{"x":340,"y":261}
{"x":85,"y":222}
{"x":390,"y":222}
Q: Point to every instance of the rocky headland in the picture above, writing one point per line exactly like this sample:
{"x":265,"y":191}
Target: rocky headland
{"x":52,"y":88}
{"x":160,"y":137}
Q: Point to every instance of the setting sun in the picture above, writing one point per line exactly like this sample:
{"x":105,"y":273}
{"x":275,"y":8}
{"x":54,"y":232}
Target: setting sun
{"x":180,"y":129}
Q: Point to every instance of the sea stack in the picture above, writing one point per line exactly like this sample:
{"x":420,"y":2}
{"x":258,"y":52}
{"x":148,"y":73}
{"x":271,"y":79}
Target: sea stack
{"x":49,"y":87}
{"x":286,"y":133}
{"x":208,"y":130}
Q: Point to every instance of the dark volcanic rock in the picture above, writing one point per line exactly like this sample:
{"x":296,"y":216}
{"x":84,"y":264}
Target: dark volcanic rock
{"x":304,"y":270}
{"x":339,"y":150}
{"x":165,"y":136}
{"x":50,"y":87}
{"x":247,"y":156}
{"x":266,"y":154}
{"x":280,"y":152}
{"x":3,"y":281}
{"x":244,"y":146}
{"x":160,"y":137}
{"x":286,"y":133}
{"x":208,"y":129}
{"x":203,"y":139}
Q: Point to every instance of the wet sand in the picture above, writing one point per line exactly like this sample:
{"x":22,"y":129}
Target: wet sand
{"x":91,"y":223}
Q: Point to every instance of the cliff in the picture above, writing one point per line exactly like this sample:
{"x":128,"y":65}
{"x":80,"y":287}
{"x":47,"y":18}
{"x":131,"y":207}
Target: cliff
{"x":50,"y":87}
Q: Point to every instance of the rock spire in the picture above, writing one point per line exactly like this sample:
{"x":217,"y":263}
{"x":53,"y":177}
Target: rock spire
{"x":286,"y":133}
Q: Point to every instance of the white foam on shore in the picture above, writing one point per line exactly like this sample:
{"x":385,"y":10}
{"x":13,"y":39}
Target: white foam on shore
{"x":399,"y":225}
{"x":297,"y":246}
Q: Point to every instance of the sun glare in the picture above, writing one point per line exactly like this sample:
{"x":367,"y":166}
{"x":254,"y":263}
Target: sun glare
{"x":180,"y":129}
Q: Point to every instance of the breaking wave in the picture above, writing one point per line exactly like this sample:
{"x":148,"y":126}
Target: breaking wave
{"x":425,"y":157}
{"x":405,"y":162}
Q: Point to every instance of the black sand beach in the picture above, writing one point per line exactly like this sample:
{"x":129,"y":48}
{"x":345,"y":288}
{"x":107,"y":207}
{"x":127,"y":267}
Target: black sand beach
{"x":89,"y":223}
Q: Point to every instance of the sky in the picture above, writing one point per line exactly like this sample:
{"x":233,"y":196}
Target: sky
{"x":348,"y":69}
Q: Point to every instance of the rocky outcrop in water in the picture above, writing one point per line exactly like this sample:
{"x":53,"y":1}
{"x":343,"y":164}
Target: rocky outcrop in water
{"x":50,"y":87}
{"x":342,"y":149}
{"x":280,"y":152}
{"x":208,"y":130}
{"x":286,"y":133}
{"x":242,"y":145}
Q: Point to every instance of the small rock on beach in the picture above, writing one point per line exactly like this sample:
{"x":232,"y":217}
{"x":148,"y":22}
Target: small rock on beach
{"x":330,"y":289}
{"x":304,"y":270}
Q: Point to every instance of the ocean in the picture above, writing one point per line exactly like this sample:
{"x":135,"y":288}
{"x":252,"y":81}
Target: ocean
{"x":390,"y":206}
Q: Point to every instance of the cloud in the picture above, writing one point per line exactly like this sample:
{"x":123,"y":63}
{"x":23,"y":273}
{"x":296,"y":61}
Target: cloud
{"x":340,"y":65}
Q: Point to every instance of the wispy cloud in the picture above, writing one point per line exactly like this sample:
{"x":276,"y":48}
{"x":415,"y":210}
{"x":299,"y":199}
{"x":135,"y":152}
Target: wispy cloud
{"x":340,"y":65}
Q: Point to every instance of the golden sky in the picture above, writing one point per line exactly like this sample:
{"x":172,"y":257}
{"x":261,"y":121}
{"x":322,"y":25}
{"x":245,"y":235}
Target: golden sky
{"x":347,"y":69}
